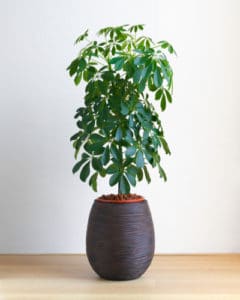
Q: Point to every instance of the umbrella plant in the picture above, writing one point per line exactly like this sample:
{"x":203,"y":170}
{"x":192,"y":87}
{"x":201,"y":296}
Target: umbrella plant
{"x":119,"y":131}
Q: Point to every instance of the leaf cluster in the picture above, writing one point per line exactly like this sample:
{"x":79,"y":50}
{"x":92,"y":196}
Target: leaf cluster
{"x":119,"y":130}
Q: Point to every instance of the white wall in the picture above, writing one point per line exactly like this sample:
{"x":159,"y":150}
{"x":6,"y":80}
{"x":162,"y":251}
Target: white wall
{"x":43,"y":207}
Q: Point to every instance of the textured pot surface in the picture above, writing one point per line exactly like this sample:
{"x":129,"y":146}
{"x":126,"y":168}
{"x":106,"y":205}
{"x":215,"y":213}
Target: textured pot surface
{"x":120,"y":239}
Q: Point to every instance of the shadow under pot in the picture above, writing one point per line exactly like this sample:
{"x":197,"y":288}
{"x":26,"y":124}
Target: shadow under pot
{"x":120,"y":238}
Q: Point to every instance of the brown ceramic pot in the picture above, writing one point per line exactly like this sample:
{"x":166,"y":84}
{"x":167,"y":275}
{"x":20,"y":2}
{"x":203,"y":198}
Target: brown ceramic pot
{"x":120,"y":238}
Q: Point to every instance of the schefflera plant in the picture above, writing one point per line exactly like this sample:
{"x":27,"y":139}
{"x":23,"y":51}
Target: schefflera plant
{"x":119,"y":129}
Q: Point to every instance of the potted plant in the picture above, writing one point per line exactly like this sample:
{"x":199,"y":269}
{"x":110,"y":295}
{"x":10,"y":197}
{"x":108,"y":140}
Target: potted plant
{"x":120,"y":135}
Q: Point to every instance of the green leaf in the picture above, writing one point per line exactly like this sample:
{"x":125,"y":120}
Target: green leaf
{"x":93,"y":181}
{"x":81,"y":64}
{"x":142,"y":85}
{"x":124,"y":186}
{"x":131,"y":179}
{"x":118,"y":135}
{"x":112,"y":169}
{"x":82,"y":37}
{"x":139,"y":60}
{"x":130,"y":151}
{"x":73,"y":67}
{"x":119,"y":64}
{"x":96,"y":148}
{"x":106,"y":156}
{"x":124,"y":109}
{"x":139,"y":159}
{"x":162,"y":173}
{"x":115,"y":152}
{"x":165,"y":145}
{"x":137,"y":75}
{"x":114,"y":179}
{"x":163,"y":102}
{"x":132,"y":170}
{"x":85,"y":156}
{"x":115,"y":59}
{"x":85,"y":172}
{"x":147,"y":176}
{"x":151,"y":86}
{"x":78,"y":78}
{"x":96,"y":164}
{"x":96,"y":138}
{"x":164,"y":44}
{"x":139,"y":174}
{"x":169,"y":96}
{"x":158,"y":94}
{"x":157,"y":78}
{"x":146,"y":72}
{"x":74,"y":137}
{"x":170,"y":49}
{"x":78,"y":165}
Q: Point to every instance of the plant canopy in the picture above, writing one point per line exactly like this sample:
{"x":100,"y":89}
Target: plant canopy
{"x":119,"y":130}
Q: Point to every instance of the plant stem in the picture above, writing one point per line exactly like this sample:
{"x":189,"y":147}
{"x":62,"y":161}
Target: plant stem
{"x":121,"y":161}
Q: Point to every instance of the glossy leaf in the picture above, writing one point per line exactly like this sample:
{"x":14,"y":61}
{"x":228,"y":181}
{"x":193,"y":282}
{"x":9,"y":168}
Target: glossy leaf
{"x":85,"y":172}
{"x":97,"y":164}
{"x":78,"y":165}
{"x":163,"y":102}
{"x":157,"y":78}
{"x":114,"y":179}
{"x":124,"y":186}
{"x":93,"y":181}
{"x":147,"y":176}
{"x":139,"y":159}
{"x":169,"y":96}
{"x":106,"y":156}
{"x":130,"y":151}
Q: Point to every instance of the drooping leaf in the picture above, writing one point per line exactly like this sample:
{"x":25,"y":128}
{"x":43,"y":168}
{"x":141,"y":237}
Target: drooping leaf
{"x":96,"y":163}
{"x":114,"y":179}
{"x":78,"y":165}
{"x":147,"y":176}
{"x":169,"y":96}
{"x":139,"y":159}
{"x":124,"y":185}
{"x":159,"y":94}
{"x":157,"y":78}
{"x":139,"y":174}
{"x":163,"y":102}
{"x":131,"y":179}
{"x":118,"y":135}
{"x":165,"y":145}
{"x":93,"y":181}
{"x":115,"y":152}
{"x":82,"y":64}
{"x":85,"y":172}
{"x":162,"y":173}
{"x":106,"y":156}
{"x":132,"y":170}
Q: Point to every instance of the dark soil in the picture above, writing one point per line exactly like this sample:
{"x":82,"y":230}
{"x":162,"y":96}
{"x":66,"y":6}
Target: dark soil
{"x":119,"y":197}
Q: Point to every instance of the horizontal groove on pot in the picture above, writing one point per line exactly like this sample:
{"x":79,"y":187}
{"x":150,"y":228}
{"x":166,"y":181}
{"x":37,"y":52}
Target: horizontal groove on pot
{"x":120,"y":239}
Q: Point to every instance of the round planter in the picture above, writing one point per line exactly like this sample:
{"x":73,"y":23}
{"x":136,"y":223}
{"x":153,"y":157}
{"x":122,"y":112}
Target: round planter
{"x":120,"y":239}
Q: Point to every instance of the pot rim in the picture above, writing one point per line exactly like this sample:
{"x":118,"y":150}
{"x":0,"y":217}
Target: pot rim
{"x":135,"y":200}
